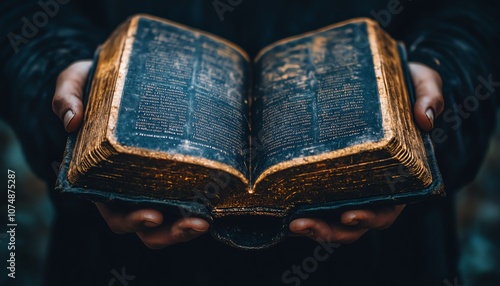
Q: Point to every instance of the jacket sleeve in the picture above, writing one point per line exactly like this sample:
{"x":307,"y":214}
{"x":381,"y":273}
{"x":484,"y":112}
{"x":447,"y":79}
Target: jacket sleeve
{"x":462,"y":44}
{"x":39,"y":39}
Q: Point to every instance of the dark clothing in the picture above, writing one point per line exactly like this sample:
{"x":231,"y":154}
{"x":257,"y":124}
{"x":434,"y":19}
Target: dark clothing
{"x":460,"y":40}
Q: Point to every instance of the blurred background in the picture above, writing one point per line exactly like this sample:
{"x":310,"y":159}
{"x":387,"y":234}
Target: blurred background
{"x":34,"y":214}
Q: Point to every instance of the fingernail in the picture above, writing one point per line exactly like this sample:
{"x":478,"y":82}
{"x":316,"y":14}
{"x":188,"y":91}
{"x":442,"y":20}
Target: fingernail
{"x":304,"y":232}
{"x":352,"y":222}
{"x":68,"y":116}
{"x":198,"y":226}
{"x":195,"y":231}
{"x":350,"y":218}
{"x":430,"y":116}
{"x":150,"y":223}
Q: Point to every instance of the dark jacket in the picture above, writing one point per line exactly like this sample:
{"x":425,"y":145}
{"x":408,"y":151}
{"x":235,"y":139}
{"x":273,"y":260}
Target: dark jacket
{"x":459,"y":39}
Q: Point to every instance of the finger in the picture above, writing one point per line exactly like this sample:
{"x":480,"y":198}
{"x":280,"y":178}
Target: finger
{"x":180,"y":231}
{"x":125,"y":221}
{"x":381,"y":218}
{"x":428,"y":94}
{"x":301,"y":226}
{"x":67,"y":100}
{"x":320,"y":230}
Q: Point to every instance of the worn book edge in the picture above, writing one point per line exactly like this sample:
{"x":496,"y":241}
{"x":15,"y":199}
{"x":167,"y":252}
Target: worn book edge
{"x":388,"y":123}
{"x":110,"y":145}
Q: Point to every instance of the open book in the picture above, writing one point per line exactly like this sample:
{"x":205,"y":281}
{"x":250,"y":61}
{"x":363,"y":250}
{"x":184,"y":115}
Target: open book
{"x":321,"y":119}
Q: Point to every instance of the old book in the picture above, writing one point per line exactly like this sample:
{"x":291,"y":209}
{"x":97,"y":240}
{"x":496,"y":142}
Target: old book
{"x":185,"y":119}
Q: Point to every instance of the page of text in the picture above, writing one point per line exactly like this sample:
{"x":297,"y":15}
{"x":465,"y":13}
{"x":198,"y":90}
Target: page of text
{"x":314,"y":95}
{"x":185,"y":93}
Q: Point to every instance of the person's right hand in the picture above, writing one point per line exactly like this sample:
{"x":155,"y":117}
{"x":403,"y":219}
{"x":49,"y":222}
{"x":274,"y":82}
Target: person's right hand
{"x":147,"y":223}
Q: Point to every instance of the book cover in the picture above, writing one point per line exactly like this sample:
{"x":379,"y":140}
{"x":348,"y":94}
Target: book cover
{"x":186,"y":121}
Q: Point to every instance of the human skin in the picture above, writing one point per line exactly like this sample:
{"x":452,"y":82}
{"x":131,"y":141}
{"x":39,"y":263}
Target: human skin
{"x":150,"y":225}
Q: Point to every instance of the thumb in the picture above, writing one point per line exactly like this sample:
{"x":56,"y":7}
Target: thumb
{"x":428,"y":94}
{"x":67,"y":100}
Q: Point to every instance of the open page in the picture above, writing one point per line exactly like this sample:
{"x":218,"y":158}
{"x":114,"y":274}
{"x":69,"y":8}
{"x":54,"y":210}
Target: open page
{"x":315,"y":94}
{"x":185,"y":93}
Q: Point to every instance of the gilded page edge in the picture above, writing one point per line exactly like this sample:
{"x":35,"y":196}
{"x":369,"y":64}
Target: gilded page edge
{"x":73,"y":168}
{"x":115,"y":107}
{"x":387,"y":122}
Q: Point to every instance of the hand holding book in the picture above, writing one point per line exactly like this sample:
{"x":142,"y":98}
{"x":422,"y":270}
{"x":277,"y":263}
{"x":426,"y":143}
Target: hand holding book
{"x":354,"y":223}
{"x":152,"y":227}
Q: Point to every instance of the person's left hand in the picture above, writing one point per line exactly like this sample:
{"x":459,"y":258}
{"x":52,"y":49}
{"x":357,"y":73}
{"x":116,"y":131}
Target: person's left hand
{"x":354,"y":223}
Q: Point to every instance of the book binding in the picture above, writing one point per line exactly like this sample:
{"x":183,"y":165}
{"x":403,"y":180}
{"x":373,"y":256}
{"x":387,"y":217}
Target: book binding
{"x":255,"y":227}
